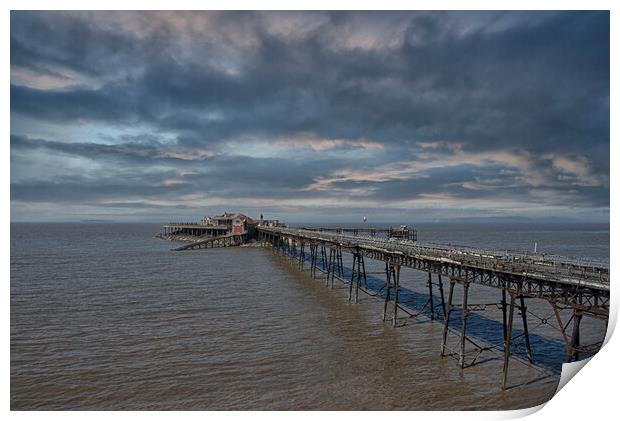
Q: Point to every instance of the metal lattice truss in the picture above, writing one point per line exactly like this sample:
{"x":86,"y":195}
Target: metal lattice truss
{"x":582,"y":284}
{"x":579,"y":285}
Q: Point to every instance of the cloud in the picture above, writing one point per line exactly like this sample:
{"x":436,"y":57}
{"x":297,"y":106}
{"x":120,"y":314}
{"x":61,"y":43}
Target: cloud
{"x":140,"y":151}
{"x":311,"y":110}
{"x":578,"y":165}
{"x":319,"y":145}
{"x":423,"y":162}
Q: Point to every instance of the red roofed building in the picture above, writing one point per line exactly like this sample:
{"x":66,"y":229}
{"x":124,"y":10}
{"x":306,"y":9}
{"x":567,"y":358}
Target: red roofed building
{"x":236,"y":223}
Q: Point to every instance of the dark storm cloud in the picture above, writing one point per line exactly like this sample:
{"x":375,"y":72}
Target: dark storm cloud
{"x":527,"y":84}
{"x":222,"y":175}
{"x":255,"y":178}
{"x":67,"y":105}
{"x":470,"y":183}
{"x":134,"y":152}
{"x":40,"y":40}
{"x":462,"y":84}
{"x":83,"y":191}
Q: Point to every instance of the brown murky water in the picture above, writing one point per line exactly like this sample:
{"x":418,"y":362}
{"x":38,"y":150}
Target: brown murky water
{"x":105,"y":317}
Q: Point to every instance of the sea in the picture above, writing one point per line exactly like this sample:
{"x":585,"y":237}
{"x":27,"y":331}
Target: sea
{"x":104,"y":316}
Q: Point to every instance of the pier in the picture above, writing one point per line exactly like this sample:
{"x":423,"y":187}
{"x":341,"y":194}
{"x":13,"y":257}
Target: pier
{"x":188,"y":231}
{"x":226,"y":240}
{"x":403,"y":232}
{"x":580,"y":287}
{"x":228,"y":229}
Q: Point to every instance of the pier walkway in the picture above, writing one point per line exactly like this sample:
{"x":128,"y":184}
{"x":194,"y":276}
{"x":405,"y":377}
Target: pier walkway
{"x":402,"y":232}
{"x":557,"y":269}
{"x":580,"y":286}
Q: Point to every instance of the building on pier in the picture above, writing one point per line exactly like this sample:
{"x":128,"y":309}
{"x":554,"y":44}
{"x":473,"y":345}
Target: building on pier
{"x":269,"y":222}
{"x":403,"y":232}
{"x":234,"y":222}
{"x":210,"y":226}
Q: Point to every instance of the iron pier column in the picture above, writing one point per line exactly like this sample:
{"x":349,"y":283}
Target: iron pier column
{"x":430,"y":295}
{"x":446,"y":321}
{"x":507,"y":342}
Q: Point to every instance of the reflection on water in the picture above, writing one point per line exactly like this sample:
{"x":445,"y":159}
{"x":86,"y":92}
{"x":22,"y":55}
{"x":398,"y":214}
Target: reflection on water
{"x":105,"y":317}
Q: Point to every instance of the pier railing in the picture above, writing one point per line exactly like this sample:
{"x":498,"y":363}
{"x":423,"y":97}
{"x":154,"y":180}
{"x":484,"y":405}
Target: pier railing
{"x":557,"y":268}
{"x":578,"y":286}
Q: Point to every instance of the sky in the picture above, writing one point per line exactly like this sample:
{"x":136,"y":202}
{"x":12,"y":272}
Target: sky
{"x":310,"y":116}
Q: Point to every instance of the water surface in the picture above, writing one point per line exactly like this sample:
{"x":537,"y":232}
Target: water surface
{"x":103,"y":316}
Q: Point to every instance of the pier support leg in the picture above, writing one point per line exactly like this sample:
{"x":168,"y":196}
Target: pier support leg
{"x":464,"y":314}
{"x":336,"y":265}
{"x":302,"y":257}
{"x":364,"y":271}
{"x":352,"y":277}
{"x":316,"y":260}
{"x":443,"y":301}
{"x":430,"y":295}
{"x":560,"y":324}
{"x":508,"y":341}
{"x":573,"y":349}
{"x":330,"y":264}
{"x":446,"y":321}
{"x":504,"y":325}
{"x":526,"y":333}
{"x":314,"y":249}
{"x":358,"y":281}
{"x":388,"y":274}
{"x":396,"y":274}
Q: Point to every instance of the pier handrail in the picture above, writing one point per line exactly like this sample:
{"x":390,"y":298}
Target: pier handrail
{"x":561,"y":269}
{"x":193,"y":224}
